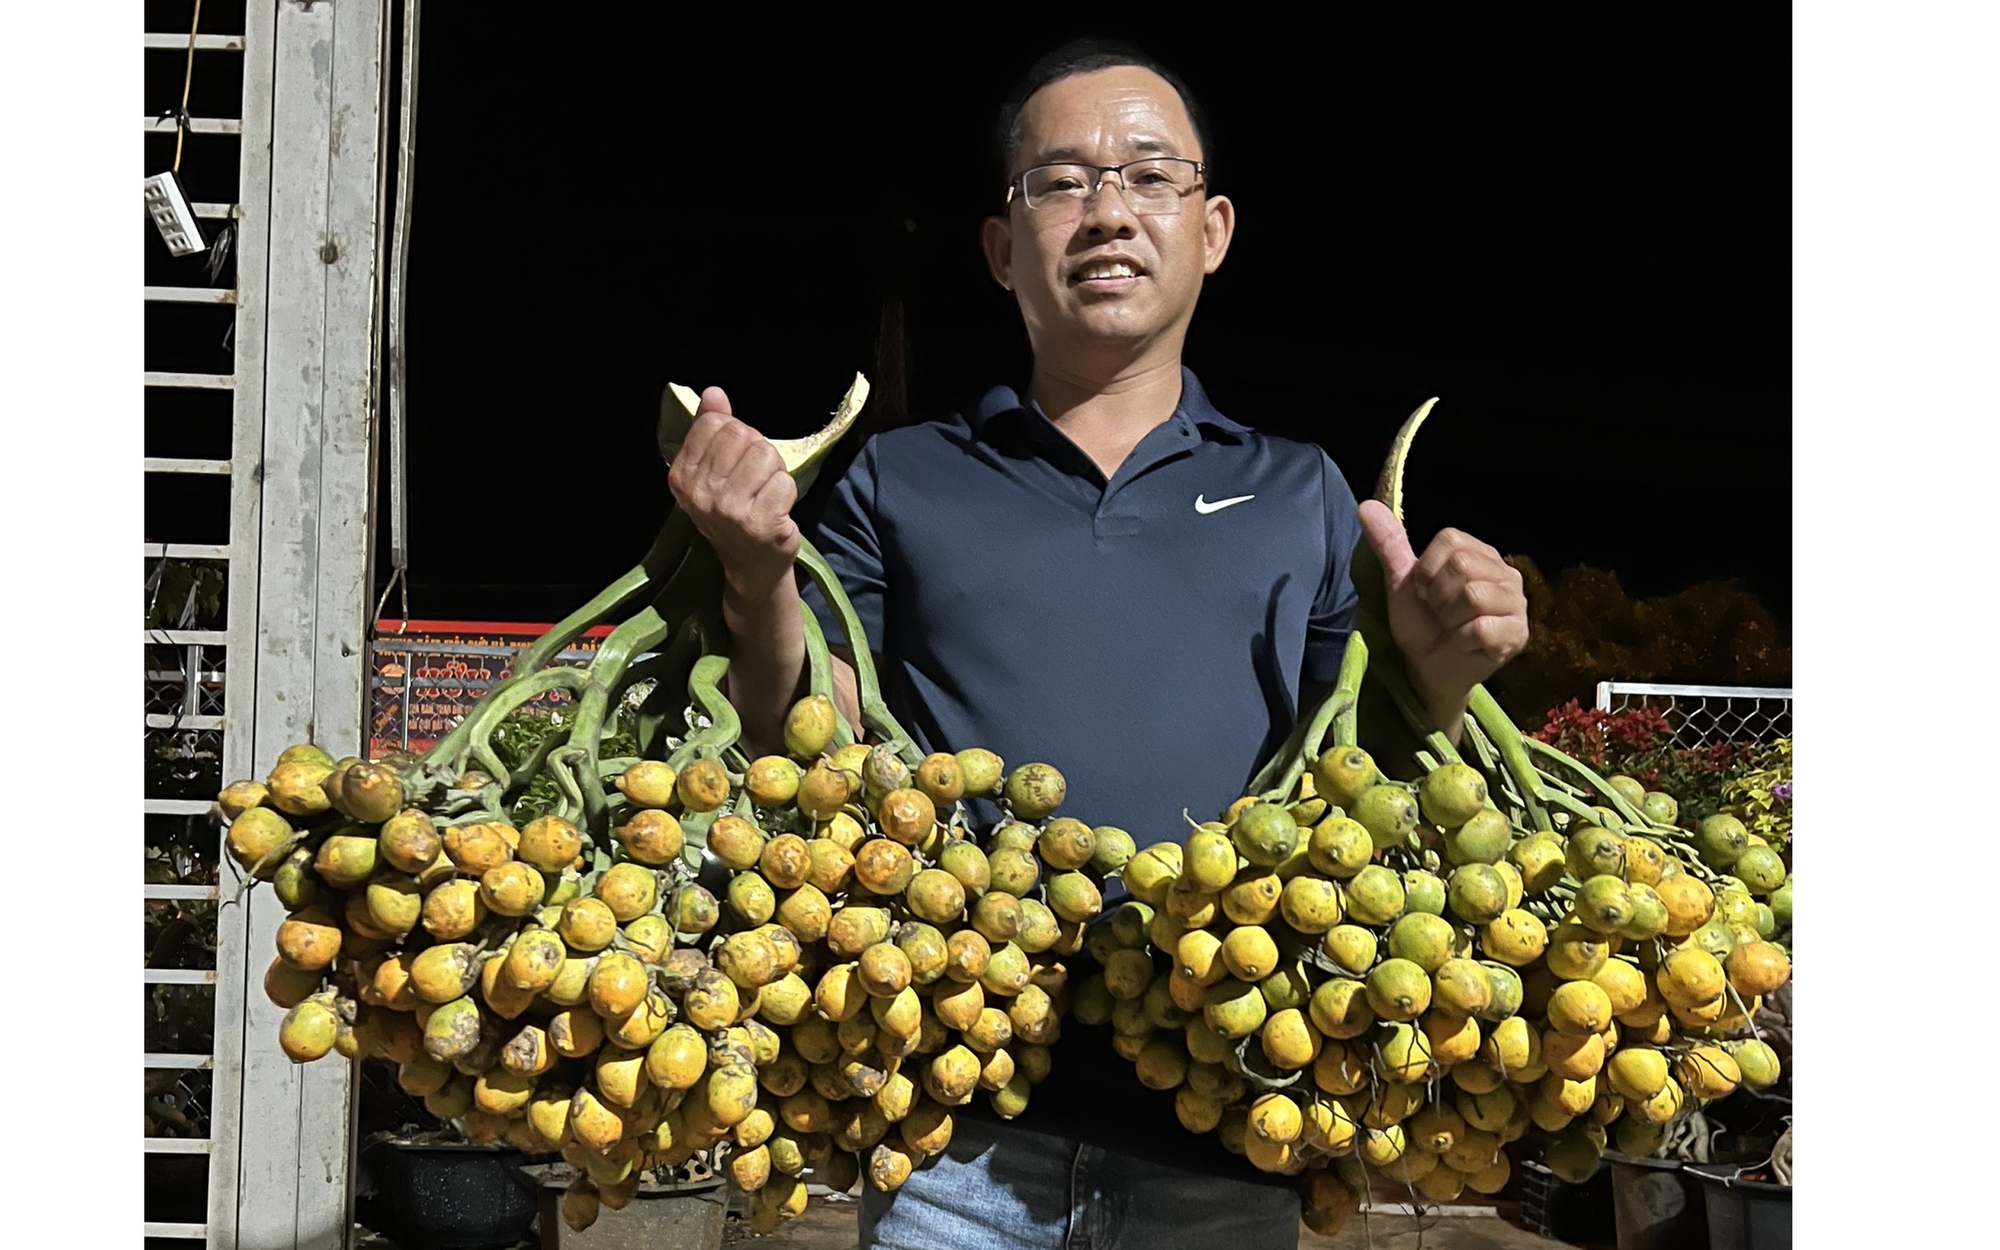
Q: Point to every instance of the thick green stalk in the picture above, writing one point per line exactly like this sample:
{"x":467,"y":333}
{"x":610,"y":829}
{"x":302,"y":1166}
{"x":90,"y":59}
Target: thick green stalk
{"x":1507,"y":738}
{"x":695,"y":585}
{"x":724,"y":727}
{"x":875,"y":714}
{"x":643,"y":631}
{"x":652,"y":668}
{"x":1275,"y":779}
{"x":572,"y":806}
{"x":1301,"y":747}
{"x":1347,"y":688}
{"x":1483,"y":755}
{"x":669,"y":548}
{"x":819,"y":673}
{"x":671,"y":669}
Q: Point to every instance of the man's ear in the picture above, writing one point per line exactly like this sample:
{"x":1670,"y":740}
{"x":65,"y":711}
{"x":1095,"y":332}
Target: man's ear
{"x":996,"y":240}
{"x":1218,"y":226}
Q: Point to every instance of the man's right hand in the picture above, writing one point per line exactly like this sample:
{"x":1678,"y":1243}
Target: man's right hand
{"x":733,"y":486}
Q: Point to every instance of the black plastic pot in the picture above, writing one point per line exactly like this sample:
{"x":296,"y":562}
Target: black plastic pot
{"x":1552,"y":1208}
{"x":449,"y":1197}
{"x":1657,"y":1205}
{"x":1744,"y":1215}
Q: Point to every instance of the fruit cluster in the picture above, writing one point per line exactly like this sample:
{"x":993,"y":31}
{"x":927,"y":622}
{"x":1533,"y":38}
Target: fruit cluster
{"x":862,"y":969}
{"x":1349,"y":974}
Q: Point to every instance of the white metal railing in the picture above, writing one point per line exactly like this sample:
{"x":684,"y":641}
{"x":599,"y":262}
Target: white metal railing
{"x":202,"y":43}
{"x":1699,"y":715}
{"x":197,"y":126}
{"x":193,"y":381}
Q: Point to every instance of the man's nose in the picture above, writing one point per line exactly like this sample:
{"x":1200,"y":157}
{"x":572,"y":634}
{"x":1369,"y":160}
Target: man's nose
{"x":1107,"y":213}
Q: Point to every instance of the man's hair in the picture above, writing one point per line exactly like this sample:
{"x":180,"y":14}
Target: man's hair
{"x":1086,"y":56}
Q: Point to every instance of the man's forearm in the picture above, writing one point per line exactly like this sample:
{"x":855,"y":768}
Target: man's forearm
{"x":767,"y":662}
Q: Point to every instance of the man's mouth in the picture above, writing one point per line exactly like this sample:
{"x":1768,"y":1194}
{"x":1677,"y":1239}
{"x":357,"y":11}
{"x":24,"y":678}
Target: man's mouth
{"x":1107,"y":275}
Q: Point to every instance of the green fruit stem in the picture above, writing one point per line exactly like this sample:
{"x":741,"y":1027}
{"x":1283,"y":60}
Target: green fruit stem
{"x":724,"y":726}
{"x":1500,"y":780}
{"x":1347,"y":692}
{"x":1551,"y":780}
{"x":656,"y":667}
{"x":1397,"y":685}
{"x":1507,"y":739}
{"x":1691,"y":860}
{"x":819,"y":673}
{"x":694,"y":836}
{"x":1577,"y":808}
{"x":694,"y":589}
{"x":474,"y":734}
{"x":533,"y":766}
{"x":671,"y":670}
{"x":644,"y":630}
{"x":573,"y":804}
{"x":669,"y":549}
{"x":1612,"y":799}
{"x":875,"y":713}
{"x":1335,"y":710}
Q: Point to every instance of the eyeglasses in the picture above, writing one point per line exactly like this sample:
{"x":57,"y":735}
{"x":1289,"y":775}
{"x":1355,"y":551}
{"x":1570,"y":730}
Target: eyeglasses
{"x":1154,"y":186}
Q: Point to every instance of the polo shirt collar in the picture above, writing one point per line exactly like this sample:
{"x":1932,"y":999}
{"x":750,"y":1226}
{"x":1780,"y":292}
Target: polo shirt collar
{"x":1194,"y":403}
{"x":1193,"y":411}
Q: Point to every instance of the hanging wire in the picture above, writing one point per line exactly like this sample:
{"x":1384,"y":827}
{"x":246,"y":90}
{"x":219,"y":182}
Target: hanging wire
{"x":399,"y":264}
{"x":187,"y":85}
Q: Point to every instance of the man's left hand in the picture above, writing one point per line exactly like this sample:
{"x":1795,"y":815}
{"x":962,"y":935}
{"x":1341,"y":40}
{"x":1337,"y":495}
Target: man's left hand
{"x":1457,"y":612}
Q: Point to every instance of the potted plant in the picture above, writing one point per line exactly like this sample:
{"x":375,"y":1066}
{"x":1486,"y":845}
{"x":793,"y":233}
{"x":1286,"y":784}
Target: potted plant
{"x":434,"y":1189}
{"x":1750,"y":1208}
{"x":1656,"y":1204}
{"x":1710,"y":1187}
{"x":1749,"y":1199}
{"x":420,"y":1182}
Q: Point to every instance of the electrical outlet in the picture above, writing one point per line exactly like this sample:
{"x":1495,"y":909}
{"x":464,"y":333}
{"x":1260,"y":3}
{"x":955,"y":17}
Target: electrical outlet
{"x":171,"y":215}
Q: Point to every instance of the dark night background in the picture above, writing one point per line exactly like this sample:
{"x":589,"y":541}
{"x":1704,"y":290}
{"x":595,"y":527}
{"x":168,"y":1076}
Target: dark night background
{"x":1575,"y":231}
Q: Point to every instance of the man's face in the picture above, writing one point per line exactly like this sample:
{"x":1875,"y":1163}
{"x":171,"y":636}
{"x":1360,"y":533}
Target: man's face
{"x":1057,"y":260}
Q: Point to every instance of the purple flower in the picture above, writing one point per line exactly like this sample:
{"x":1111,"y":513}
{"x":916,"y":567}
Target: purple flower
{"x":1782,"y":792}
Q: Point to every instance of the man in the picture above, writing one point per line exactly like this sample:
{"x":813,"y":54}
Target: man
{"x":1100,"y":572}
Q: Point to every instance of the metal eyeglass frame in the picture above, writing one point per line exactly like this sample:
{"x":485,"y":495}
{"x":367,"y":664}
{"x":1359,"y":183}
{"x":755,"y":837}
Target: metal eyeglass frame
{"x":1019,"y":183}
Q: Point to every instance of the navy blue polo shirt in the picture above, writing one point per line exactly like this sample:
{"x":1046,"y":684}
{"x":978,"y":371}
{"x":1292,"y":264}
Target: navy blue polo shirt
{"x":1148,"y":635}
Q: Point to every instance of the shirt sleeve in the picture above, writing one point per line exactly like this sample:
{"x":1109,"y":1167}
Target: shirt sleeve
{"x":1333,"y":609}
{"x":846,"y":536}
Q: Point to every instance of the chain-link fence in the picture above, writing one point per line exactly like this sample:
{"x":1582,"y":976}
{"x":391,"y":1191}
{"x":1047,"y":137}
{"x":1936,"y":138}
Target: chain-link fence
{"x":1700,"y":715}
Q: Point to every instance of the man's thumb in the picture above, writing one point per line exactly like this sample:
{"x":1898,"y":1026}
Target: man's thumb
{"x":714,"y":400}
{"x":1390,"y":541}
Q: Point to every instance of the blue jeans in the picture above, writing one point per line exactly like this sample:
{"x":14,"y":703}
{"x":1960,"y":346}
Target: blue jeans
{"x":1000,"y":1187}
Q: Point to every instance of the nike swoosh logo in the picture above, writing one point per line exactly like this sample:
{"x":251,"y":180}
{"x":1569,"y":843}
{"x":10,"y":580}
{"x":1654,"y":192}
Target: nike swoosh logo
{"x":1204,"y":507}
